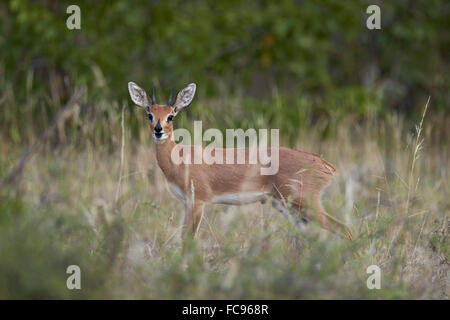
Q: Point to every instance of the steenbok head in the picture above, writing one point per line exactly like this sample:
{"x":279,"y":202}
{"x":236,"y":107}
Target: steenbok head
{"x":161,"y":116}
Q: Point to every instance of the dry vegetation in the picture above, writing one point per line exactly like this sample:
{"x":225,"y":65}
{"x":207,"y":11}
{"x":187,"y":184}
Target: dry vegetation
{"x":106,"y":208}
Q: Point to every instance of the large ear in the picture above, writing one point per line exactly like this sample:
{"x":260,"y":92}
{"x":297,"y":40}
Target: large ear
{"x":138,"y":95}
{"x":184,"y":98}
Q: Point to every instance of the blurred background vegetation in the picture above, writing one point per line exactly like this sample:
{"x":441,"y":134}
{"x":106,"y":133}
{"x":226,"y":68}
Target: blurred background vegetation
{"x":310,"y":68}
{"x":323,"y":53}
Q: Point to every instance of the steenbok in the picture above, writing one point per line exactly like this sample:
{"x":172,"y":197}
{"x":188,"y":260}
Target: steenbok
{"x":294,"y":189}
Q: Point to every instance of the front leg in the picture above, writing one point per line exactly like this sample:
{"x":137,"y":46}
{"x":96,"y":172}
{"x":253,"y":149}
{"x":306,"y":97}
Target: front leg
{"x":193,"y":218}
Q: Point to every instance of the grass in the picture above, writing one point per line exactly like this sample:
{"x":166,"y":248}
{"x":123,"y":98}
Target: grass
{"x":95,"y":197}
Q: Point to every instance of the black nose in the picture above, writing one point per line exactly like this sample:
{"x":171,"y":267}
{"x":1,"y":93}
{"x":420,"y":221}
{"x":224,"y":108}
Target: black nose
{"x":158,"y":127}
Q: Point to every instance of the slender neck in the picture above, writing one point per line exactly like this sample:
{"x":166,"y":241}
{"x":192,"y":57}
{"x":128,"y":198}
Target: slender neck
{"x":163,"y":155}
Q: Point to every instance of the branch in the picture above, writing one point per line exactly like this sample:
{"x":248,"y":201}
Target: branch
{"x":15,"y":174}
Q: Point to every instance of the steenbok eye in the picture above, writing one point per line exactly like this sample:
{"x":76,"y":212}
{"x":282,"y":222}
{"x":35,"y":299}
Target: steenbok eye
{"x":150,"y":117}
{"x":169,"y":118}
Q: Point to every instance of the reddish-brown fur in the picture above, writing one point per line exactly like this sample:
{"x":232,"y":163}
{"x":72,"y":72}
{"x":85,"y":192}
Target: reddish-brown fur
{"x":300,"y":179}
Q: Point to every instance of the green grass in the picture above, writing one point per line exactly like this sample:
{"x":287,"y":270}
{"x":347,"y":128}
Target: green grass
{"x":78,"y":204}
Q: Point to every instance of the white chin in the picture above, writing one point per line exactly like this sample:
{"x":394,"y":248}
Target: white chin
{"x":161,"y":139}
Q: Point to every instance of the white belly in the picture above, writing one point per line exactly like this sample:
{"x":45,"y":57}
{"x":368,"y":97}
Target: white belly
{"x":239,"y":198}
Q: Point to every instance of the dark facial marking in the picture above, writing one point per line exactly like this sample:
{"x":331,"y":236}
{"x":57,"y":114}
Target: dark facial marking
{"x":158,"y":129}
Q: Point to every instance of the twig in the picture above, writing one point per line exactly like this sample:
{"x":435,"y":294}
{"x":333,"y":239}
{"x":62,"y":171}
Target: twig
{"x":212,"y":232}
{"x":416,"y":151}
{"x":15,"y":174}
{"x":119,"y":185}
{"x":421,"y":230}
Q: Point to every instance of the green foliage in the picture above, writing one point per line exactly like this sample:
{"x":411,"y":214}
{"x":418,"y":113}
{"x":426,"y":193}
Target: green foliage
{"x":37,"y":247}
{"x":302,"y":48}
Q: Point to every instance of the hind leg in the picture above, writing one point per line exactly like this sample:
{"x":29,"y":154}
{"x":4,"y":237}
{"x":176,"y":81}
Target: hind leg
{"x":326,"y":221}
{"x":307,"y":202}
